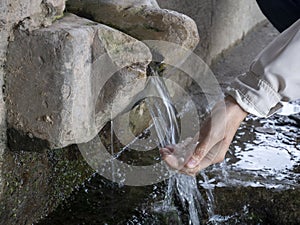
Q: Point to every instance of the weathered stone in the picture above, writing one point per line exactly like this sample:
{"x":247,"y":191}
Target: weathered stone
{"x":170,"y":34}
{"x":250,"y":205}
{"x":143,"y":20}
{"x":133,"y":3}
{"x":86,"y":74}
{"x":34,"y":12}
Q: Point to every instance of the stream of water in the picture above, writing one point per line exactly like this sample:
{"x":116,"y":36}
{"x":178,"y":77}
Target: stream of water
{"x":182,"y":188}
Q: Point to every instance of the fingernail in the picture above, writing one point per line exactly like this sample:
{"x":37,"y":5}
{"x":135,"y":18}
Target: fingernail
{"x":170,"y":148}
{"x":192,"y":163}
{"x":165,"y":151}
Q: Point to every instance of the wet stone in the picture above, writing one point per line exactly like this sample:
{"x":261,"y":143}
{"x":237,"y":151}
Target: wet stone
{"x":265,"y":130}
{"x":296,"y":118}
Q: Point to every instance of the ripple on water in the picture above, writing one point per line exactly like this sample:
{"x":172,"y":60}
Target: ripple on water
{"x":265,"y":152}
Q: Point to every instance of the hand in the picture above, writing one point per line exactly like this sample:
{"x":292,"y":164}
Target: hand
{"x":214,"y":139}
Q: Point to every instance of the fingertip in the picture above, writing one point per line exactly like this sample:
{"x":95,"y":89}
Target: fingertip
{"x":164,"y":153}
{"x":171,"y":161}
{"x":170,"y":148}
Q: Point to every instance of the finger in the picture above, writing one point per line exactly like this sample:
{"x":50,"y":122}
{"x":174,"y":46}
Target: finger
{"x":201,"y":151}
{"x":174,"y":158}
{"x":206,"y":143}
{"x":216,"y":154}
{"x":180,"y":152}
{"x":165,"y":151}
{"x":170,"y":158}
{"x":174,"y":162}
{"x":186,"y":150}
{"x":170,"y":148}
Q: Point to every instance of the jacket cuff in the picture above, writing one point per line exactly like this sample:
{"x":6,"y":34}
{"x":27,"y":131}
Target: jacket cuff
{"x":255,"y":95}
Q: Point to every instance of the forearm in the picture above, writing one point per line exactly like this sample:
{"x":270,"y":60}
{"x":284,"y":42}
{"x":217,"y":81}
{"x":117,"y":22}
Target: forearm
{"x":274,"y":76}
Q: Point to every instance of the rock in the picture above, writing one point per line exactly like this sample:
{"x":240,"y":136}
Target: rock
{"x":249,"y":205}
{"x":143,"y":20}
{"x":86,"y":74}
{"x":133,"y":3}
{"x":34,"y":13}
{"x":265,"y":130}
{"x":59,"y":6}
{"x":29,"y":15}
{"x":170,"y":35}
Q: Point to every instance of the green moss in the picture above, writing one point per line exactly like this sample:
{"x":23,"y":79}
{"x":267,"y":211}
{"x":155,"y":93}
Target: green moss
{"x":57,"y":17}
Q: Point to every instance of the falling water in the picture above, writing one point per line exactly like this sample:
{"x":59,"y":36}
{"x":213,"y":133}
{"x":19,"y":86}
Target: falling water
{"x":112,"y":149}
{"x":162,"y":112}
{"x":182,"y":188}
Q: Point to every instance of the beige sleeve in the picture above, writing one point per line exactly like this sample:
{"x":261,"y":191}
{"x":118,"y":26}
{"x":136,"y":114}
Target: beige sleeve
{"x":274,"y":76}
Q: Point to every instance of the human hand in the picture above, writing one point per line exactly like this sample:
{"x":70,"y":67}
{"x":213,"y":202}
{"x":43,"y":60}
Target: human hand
{"x":214,"y":138}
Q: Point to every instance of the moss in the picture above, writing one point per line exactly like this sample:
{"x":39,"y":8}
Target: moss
{"x":69,"y":172}
{"x":36,"y":182}
{"x":57,"y":17}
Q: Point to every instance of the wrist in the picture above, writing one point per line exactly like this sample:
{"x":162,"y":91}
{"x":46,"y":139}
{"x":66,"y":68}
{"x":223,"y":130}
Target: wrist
{"x":233,"y":106}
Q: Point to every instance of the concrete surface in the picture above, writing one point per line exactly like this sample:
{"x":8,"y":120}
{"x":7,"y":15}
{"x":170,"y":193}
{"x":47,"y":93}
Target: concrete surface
{"x":237,"y":59}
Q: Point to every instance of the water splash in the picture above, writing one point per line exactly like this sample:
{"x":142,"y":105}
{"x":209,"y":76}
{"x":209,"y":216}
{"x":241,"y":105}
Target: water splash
{"x":208,"y":189}
{"x":112,"y":149}
{"x":181,"y":188}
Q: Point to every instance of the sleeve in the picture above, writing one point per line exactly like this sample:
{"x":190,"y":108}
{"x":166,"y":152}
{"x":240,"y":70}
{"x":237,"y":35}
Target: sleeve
{"x":274,"y":76}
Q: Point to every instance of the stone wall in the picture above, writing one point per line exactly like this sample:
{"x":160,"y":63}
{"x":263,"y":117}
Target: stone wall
{"x":221,"y":23}
{"x":63,"y":77}
{"x":49,"y":81}
{"x":28,"y":14}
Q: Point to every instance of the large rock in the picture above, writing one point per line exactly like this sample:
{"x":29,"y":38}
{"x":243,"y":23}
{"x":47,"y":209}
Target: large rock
{"x":143,"y":20}
{"x":170,"y":35}
{"x":32,"y":13}
{"x":65,"y":81}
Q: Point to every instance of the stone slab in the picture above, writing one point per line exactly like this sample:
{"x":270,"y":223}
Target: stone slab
{"x":65,"y":81}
